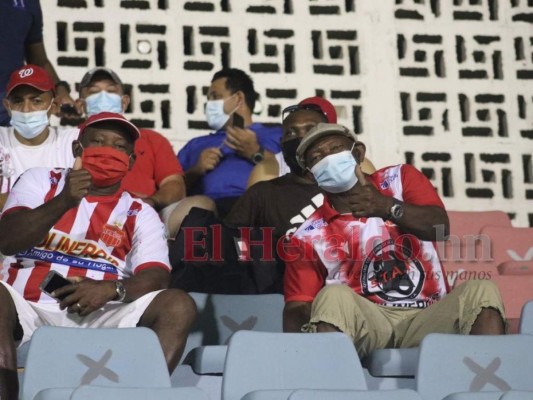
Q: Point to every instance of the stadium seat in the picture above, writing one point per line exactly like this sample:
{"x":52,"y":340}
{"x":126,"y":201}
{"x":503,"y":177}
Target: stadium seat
{"x":516,"y":267}
{"x":399,"y":394}
{"x":516,"y":291}
{"x":22,"y":354}
{"x":508,"y":244}
{"x":114,"y":393}
{"x":461,"y":363}
{"x":526,"y":319}
{"x":221,"y":315}
{"x":474,"y":396}
{"x":517,"y":395}
{"x":263,"y":361}
{"x":71,"y":357}
{"x":392,"y":362}
{"x":465,"y":225}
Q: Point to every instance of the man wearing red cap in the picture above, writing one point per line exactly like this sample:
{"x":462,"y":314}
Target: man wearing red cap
{"x":81,"y":223}
{"x":30,"y":141}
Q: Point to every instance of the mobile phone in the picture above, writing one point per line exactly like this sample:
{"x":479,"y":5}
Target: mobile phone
{"x":53,"y":281}
{"x":238,"y":121}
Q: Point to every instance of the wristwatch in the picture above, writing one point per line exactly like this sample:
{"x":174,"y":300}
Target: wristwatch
{"x":259,"y":156}
{"x":396,"y":210}
{"x":121,"y":291}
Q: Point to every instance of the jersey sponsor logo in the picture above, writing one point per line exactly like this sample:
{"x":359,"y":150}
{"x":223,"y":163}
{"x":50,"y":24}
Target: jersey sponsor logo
{"x":112,"y":235}
{"x":392,"y":272}
{"x":72,"y":261}
{"x":387,"y":182}
{"x":84,"y":249}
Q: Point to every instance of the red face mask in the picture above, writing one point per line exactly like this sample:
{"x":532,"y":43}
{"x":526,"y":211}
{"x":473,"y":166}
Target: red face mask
{"x":106,"y":165}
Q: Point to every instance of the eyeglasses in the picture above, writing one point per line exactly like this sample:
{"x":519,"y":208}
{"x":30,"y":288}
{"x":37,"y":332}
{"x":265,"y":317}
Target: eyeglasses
{"x":313,"y":107}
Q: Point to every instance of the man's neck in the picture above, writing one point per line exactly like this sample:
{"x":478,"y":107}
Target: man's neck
{"x":36,"y":141}
{"x":104,"y":191}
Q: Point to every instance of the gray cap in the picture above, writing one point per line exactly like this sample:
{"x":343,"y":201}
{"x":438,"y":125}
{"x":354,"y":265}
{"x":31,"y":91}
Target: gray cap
{"x":88,"y":77}
{"x":319,"y":131}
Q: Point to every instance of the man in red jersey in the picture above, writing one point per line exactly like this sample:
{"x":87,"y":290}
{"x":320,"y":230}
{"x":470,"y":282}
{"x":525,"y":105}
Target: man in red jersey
{"x":81,"y":223}
{"x":364,"y":263}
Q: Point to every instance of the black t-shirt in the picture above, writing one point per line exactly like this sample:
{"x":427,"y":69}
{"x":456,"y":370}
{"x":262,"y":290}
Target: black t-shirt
{"x":283,"y":203}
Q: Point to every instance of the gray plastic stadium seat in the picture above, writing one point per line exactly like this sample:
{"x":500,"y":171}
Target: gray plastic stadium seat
{"x":221,"y":315}
{"x":399,"y":394}
{"x":526,"y":319}
{"x":475,"y":396}
{"x":71,"y":357}
{"x":517,"y":395}
{"x":462,"y":363}
{"x":392,"y":362}
{"x":114,"y":393}
{"x":272,"y":361}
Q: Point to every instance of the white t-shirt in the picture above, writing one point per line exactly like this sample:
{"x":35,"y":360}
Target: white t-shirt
{"x":283,"y":167}
{"x":104,"y":237}
{"x":15,"y":157}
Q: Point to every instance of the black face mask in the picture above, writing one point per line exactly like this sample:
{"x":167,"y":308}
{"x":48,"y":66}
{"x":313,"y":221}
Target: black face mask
{"x":288,"y":149}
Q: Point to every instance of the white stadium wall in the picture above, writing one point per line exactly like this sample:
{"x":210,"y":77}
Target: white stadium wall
{"x":445,"y":85}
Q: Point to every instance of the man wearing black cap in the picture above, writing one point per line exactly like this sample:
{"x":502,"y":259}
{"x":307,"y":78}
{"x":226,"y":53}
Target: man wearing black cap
{"x":82,"y":224}
{"x":364,"y":263}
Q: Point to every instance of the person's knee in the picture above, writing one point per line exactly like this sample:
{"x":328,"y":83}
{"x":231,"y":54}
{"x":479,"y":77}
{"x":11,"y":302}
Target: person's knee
{"x":176,"y":306}
{"x":337,"y":293}
{"x":481,"y":289}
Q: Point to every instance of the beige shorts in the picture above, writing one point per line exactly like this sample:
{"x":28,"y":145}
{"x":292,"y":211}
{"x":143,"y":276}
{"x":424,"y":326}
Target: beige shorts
{"x":113,"y":315}
{"x":372,"y":326}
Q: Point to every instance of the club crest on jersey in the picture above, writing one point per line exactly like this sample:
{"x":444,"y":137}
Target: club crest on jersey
{"x":392,"y":272}
{"x":112,"y":235}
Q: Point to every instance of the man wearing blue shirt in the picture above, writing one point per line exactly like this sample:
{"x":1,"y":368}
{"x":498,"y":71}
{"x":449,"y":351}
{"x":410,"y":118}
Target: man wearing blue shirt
{"x":218,"y":165}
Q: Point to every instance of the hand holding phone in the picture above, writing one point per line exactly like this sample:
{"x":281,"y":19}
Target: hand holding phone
{"x":53,"y":281}
{"x":238,"y":121}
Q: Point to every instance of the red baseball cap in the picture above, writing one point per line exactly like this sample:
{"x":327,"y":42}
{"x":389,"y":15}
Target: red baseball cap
{"x":327,"y":108}
{"x":119,"y":119}
{"x":33,"y":76}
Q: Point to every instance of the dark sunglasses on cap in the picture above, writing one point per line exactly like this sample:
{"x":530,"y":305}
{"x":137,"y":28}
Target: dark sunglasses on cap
{"x":313,"y":107}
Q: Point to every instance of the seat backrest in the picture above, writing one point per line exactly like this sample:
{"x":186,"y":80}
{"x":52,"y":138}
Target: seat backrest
{"x":398,"y":394}
{"x":220,"y":315}
{"x":113,"y":393}
{"x":266,"y":360}
{"x":526,"y":319}
{"x":517,"y":395}
{"x":465,"y":228}
{"x":509,"y":244}
{"x":462,"y":363}
{"x":71,"y":357}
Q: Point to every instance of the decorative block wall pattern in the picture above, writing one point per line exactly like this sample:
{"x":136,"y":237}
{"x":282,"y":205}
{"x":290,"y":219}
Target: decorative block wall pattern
{"x":443,"y":84}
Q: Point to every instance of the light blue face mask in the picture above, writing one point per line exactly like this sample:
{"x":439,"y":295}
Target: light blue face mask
{"x":103,"y":101}
{"x":336,"y":173}
{"x":30,"y":124}
{"x":215,"y":115}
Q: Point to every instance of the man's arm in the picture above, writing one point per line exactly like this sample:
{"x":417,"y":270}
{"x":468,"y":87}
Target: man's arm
{"x":295,"y":314}
{"x":170,"y":190}
{"x":207,"y":161}
{"x":35,"y":223}
{"x":265,"y":170}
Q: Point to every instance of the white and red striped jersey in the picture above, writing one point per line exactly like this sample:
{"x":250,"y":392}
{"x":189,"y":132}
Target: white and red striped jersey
{"x":370,"y":255}
{"x":105,"y":237}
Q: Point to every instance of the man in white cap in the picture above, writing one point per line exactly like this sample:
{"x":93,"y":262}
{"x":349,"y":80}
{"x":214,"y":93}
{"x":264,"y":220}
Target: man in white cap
{"x":81,"y":223}
{"x":365,"y":264}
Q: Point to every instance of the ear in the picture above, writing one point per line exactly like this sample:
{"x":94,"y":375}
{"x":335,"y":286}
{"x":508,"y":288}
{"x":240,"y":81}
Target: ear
{"x":54,"y":108}
{"x":126,"y":100}
{"x":133,"y":157}
{"x":359,"y":152}
{"x":77,"y":148}
{"x":5,"y":102}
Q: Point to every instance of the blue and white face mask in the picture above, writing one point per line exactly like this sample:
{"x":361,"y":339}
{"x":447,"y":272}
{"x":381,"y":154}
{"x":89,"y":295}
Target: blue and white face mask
{"x":335,"y":173}
{"x":30,"y":124}
{"x":215,"y":115}
{"x":103,"y":101}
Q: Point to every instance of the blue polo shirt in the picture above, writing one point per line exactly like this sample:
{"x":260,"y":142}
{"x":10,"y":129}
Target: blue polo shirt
{"x":21,"y":24}
{"x":230,"y":176}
